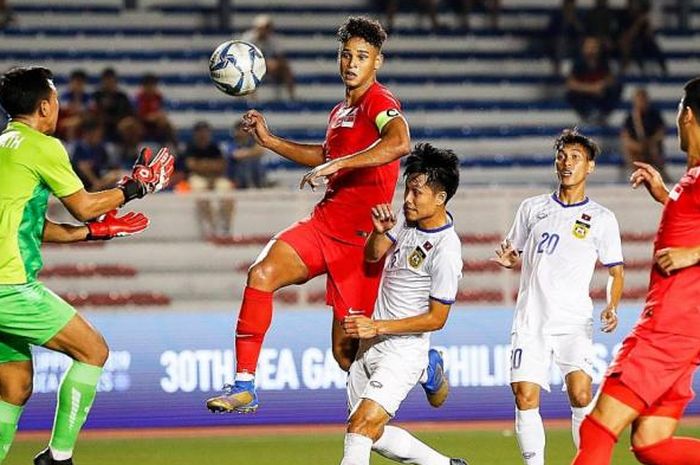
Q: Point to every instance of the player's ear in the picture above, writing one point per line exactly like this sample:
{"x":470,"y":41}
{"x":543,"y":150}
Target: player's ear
{"x":591,"y":166}
{"x":441,"y":198}
{"x":378,"y":61}
{"x":44,"y":108}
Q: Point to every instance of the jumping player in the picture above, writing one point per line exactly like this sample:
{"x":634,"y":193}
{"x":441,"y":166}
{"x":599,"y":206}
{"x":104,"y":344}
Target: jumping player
{"x":559,"y":237}
{"x":649,"y":384}
{"x":419,"y":284}
{"x":33,"y":165}
{"x":366,"y":136}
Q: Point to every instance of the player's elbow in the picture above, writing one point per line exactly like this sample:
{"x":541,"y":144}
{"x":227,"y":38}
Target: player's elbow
{"x":436,"y":324}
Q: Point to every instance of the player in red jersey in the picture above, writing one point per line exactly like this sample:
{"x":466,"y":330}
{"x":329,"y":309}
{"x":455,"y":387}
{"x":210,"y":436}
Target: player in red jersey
{"x":365,"y":138}
{"x":649,"y":383}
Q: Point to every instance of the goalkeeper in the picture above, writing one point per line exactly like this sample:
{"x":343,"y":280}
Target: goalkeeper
{"x":33,"y":165}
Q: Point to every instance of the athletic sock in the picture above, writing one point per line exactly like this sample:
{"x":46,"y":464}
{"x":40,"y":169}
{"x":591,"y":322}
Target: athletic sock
{"x":357,"y":449}
{"x":75,"y":396}
{"x":9,"y":416}
{"x":577,"y":416}
{"x":253,"y":322}
{"x":529,"y":430}
{"x":671,"y":451}
{"x":399,"y":445}
{"x":597,"y":443}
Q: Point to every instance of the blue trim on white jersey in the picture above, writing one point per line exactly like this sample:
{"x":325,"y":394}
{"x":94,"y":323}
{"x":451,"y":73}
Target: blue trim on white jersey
{"x":391,"y":238}
{"x":441,"y":228}
{"x":556,"y":199}
{"x":442,"y":301}
{"x":610,"y":265}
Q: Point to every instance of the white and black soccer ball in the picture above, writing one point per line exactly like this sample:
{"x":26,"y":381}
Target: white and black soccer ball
{"x":237,"y":67}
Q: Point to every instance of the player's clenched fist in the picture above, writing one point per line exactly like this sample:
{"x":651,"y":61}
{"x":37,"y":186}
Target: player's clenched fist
{"x":360,"y":327}
{"x":383,"y":218}
{"x":150,"y":174}
{"x":254,"y":124}
{"x":110,"y":225}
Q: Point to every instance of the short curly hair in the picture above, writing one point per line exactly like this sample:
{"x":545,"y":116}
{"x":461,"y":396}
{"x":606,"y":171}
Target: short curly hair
{"x":572,"y":136}
{"x":366,"y":28}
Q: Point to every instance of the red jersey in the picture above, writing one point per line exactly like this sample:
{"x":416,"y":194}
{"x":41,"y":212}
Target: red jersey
{"x":344,"y":211}
{"x":673,"y":302}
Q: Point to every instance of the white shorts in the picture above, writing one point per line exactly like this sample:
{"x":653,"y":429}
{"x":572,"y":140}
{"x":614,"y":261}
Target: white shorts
{"x":385,"y":371}
{"x":532,"y":356}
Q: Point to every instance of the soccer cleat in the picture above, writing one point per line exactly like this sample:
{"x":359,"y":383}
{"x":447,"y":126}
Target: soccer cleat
{"x":45,"y":458}
{"x":239,"y":397}
{"x":458,"y":462}
{"x":436,"y":387}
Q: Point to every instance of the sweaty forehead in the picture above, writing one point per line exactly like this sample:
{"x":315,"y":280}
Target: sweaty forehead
{"x":358,"y":45}
{"x":571,"y":149}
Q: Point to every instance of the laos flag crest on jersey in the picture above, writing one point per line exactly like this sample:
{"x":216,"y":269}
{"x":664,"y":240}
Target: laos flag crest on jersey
{"x":581,"y":227}
{"x":416,"y":257}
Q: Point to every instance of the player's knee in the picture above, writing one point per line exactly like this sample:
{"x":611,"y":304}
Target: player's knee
{"x":526,"y":400}
{"x":18,"y":391}
{"x":654,"y":454}
{"x":261,"y":275}
{"x":366,"y":426}
{"x":98,"y":353}
{"x":580,"y":398}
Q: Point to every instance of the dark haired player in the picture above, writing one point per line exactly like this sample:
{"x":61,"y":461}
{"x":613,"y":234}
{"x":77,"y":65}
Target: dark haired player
{"x":649,"y":384}
{"x":559,"y":237}
{"x":34,"y":165}
{"x":419,"y":285}
{"x":366,"y":136}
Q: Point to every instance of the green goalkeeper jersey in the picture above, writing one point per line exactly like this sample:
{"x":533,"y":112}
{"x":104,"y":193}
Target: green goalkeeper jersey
{"x":32,"y":165}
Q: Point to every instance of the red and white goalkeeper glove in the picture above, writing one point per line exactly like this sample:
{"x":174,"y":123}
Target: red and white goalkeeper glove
{"x":150,"y":174}
{"x":110,"y":225}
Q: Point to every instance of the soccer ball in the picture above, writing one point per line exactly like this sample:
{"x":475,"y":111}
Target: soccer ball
{"x":237,"y":67}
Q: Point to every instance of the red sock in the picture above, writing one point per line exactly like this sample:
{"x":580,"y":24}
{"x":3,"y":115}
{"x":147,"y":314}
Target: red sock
{"x":253,"y":321}
{"x":597,"y":443}
{"x":671,"y":451}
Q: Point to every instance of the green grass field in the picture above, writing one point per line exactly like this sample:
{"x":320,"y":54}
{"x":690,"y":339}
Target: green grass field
{"x":479,"y":447}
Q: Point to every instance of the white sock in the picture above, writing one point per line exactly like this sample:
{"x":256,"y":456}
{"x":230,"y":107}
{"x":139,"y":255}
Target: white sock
{"x":529,"y":430}
{"x":357,"y":449}
{"x":577,"y":417}
{"x":399,"y":445}
{"x":60,"y":454}
{"x":245,"y":376}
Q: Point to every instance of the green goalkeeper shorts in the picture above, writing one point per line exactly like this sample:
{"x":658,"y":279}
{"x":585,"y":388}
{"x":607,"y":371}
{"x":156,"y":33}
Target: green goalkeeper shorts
{"x":30,"y":314}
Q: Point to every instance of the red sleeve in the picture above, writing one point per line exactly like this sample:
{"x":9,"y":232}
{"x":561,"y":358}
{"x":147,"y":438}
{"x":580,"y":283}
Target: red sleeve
{"x":379,"y":102}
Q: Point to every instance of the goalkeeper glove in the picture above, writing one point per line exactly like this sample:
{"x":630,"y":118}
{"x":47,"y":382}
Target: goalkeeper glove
{"x":150,"y":174}
{"x":110,"y":225}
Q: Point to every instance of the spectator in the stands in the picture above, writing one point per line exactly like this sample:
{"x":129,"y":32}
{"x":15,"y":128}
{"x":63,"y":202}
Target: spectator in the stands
{"x":463,"y":8}
{"x":75,"y":106}
{"x":638,"y":38}
{"x":206,"y":166}
{"x":245,"y":162}
{"x":91,"y":160}
{"x":112,"y":105}
{"x":150,"y":108}
{"x":564,"y":32}
{"x":602,"y":23}
{"x":423,"y":8}
{"x":592,"y":89}
{"x":643,"y":135}
{"x":278,"y":68}
{"x":7,"y":16}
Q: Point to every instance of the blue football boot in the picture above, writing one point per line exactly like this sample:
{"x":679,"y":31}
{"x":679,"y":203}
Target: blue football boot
{"x":239,"y":397}
{"x":436,"y":387}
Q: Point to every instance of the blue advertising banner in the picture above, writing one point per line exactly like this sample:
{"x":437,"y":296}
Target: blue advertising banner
{"x":164,"y":365}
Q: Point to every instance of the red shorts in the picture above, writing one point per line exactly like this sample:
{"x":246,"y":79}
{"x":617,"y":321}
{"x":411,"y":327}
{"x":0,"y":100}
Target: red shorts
{"x":351,"y":283}
{"x":659,"y":368}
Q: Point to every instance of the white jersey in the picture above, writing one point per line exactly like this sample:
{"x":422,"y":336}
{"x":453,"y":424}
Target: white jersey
{"x":559,"y":246}
{"x":423,"y":264}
